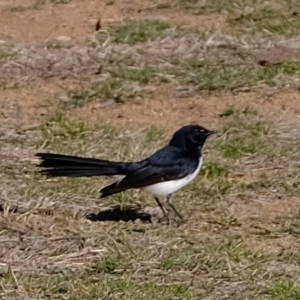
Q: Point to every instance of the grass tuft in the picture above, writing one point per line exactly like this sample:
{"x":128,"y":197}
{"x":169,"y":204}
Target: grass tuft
{"x":138,"y":31}
{"x":214,"y":169}
{"x":279,"y":17}
{"x":284,"y":289}
{"x":244,"y":139}
{"x":205,"y":76}
{"x":120,"y":85}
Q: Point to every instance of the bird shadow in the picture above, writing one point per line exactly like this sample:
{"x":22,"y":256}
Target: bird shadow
{"x":117,"y":214}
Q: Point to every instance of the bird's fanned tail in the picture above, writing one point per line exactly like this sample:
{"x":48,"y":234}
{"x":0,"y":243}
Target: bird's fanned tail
{"x":73,"y":166}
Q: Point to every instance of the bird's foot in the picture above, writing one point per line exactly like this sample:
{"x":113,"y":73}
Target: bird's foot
{"x":158,"y":215}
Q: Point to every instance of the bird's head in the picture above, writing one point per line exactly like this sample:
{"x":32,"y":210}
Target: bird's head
{"x":191,"y":137}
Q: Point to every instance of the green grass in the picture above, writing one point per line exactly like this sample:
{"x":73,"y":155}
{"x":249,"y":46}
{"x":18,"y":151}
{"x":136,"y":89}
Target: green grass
{"x":38,"y":4}
{"x":205,"y":76}
{"x":240,"y":239}
{"x":58,"y":127}
{"x":125,"y":83}
{"x":214,"y":169}
{"x":211,"y":253}
{"x":7,"y":52}
{"x":112,"y":88}
{"x":109,"y":265}
{"x":213,"y":5}
{"x":106,"y":287}
{"x":142,"y":75}
{"x":153,"y":133}
{"x":250,"y":17}
{"x":138,"y":31}
{"x":285,"y":23}
{"x":284,"y":289}
{"x":291,"y":224}
{"x":241,"y":138}
{"x":4,"y":83}
{"x":121,"y":85}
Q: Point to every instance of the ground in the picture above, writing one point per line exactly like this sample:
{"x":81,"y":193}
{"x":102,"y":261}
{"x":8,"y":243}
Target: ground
{"x":114,"y":79}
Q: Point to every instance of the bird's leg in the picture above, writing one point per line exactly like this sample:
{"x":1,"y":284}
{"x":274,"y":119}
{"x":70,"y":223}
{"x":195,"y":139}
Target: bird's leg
{"x":162,"y":208}
{"x":169,"y":201}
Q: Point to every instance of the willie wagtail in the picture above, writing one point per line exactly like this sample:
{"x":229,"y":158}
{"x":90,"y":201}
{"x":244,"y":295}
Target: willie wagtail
{"x":161,"y":174}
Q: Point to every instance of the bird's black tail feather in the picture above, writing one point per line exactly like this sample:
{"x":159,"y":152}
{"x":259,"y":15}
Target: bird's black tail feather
{"x":72,"y":166}
{"x":111,"y":189}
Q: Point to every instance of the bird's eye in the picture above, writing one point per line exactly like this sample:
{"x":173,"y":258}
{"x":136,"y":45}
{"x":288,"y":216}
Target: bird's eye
{"x":199,"y":131}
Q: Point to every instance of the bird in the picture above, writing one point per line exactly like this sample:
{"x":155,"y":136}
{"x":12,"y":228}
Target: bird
{"x":161,"y":174}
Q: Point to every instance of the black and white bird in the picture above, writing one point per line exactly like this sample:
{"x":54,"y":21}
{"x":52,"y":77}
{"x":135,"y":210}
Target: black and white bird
{"x":161,"y":174}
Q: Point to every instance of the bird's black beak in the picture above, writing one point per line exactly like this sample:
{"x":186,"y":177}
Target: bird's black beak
{"x":211,"y":132}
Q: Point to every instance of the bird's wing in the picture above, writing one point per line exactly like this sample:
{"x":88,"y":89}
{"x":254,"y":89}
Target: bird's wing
{"x":146,"y":176}
{"x":166,"y":164}
{"x":151,"y":174}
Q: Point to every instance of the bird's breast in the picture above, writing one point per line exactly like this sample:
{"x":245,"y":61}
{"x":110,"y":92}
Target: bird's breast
{"x":165,"y":188}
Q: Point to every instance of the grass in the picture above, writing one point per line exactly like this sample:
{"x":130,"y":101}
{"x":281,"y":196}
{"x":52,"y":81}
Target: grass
{"x":142,"y":75}
{"x":138,"y":31}
{"x":83,"y":259}
{"x":291,"y":224}
{"x":213,"y":255}
{"x":214,"y":169}
{"x":205,"y":76}
{"x":211,"y":6}
{"x":284,"y":23}
{"x":125,"y":83}
{"x":38,"y":4}
{"x":250,"y":17}
{"x":6,"y":52}
{"x":121,"y":85}
{"x":246,"y":140}
{"x":239,"y":64}
{"x":240,"y":240}
{"x":284,"y":288}
{"x":4,"y":83}
{"x":108,"y":288}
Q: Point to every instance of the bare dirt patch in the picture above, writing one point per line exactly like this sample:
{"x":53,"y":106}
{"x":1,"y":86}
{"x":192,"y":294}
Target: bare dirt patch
{"x":265,"y":208}
{"x":275,"y":55}
{"x":28,"y":104}
{"x":171,"y":108}
{"x":28,"y":22}
{"x":273,"y":246}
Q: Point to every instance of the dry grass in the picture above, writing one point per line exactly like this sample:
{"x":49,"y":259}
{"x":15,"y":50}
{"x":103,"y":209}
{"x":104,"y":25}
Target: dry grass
{"x":241,"y":236}
{"x":201,"y":61}
{"x":51,"y":250}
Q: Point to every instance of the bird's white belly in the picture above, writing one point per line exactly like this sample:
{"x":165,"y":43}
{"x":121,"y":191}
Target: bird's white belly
{"x":163,"y":189}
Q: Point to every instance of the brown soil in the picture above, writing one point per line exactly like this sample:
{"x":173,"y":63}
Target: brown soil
{"x":167,"y":108}
{"x":278,"y":246}
{"x":28,"y":22}
{"x":31,"y":22}
{"x":25,"y":21}
{"x":266,"y":208}
{"x":27,"y":105}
